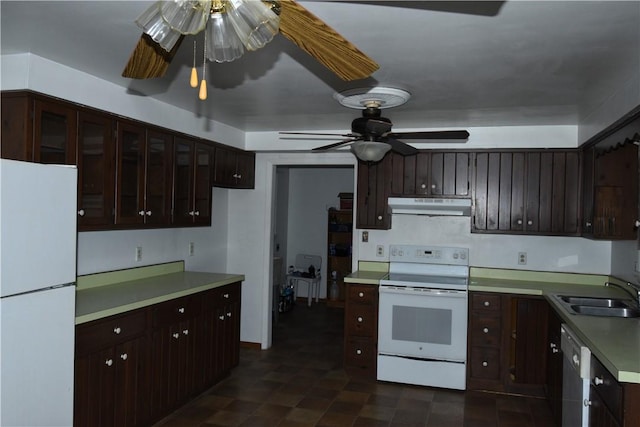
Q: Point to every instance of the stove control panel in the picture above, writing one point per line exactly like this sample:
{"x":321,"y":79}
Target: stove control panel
{"x":429,"y":254}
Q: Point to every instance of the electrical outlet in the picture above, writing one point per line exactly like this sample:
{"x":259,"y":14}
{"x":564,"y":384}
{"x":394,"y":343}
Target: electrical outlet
{"x":192,"y":248}
{"x":365,"y":236}
{"x":380,"y":250}
{"x":522,"y":258}
{"x":138,"y":253}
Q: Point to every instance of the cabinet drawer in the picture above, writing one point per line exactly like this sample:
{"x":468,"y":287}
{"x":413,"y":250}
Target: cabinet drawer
{"x":607,"y":387}
{"x":483,"y":301}
{"x":361,"y":320}
{"x":485,"y":331}
{"x":177,"y":310}
{"x":362,"y":294}
{"x":110,"y":331}
{"x":485,"y":363}
{"x":360,"y":355}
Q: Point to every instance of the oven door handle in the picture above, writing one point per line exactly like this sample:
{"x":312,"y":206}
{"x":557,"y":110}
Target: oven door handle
{"x":404,"y":290}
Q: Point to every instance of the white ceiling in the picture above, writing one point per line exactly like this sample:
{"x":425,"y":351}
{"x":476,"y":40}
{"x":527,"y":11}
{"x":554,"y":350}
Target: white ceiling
{"x":465,"y":63}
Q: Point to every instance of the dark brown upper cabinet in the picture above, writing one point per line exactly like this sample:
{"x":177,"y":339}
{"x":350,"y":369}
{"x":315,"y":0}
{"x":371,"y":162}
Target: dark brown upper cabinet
{"x":143,"y":176}
{"x":431,"y":174}
{"x":234,"y":168}
{"x":38,"y":129}
{"x":532,"y":192}
{"x":193,"y":177}
{"x":374,"y":187}
{"x":96,"y":171}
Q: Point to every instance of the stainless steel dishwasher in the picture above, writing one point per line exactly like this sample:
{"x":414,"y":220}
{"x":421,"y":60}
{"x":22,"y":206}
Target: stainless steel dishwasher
{"x":575,"y":379}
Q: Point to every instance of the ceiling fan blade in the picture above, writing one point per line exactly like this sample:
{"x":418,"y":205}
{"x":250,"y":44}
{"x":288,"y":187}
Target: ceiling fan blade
{"x":323,"y":43}
{"x":148,"y":60}
{"x":318,"y":134}
{"x":450,"y":135}
{"x":400,"y":147}
{"x":336,"y":144}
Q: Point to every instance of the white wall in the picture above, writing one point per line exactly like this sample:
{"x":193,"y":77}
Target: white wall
{"x":114,"y":250}
{"x":312,"y":191}
{"x":544,"y":253}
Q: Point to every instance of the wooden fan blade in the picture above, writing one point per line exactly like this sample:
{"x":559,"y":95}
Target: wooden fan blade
{"x":323,"y":43}
{"x":336,"y":144}
{"x":148,"y":60}
{"x":400,"y":147}
{"x":316,"y":134}
{"x":460,"y":135}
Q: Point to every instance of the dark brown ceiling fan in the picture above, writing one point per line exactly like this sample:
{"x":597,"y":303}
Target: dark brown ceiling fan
{"x":343,"y":58}
{"x":371,"y":136}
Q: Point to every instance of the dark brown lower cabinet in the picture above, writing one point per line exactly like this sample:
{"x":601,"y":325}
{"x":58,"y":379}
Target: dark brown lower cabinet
{"x":554,"y":367}
{"x":361,"y":330}
{"x":135,"y":368}
{"x":507,"y":339}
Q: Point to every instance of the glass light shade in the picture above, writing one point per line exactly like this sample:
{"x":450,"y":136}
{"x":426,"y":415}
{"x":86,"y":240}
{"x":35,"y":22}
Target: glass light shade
{"x":155,"y":26}
{"x":370,"y":151}
{"x":223,"y":43}
{"x":254,"y":22}
{"x":185,"y":16}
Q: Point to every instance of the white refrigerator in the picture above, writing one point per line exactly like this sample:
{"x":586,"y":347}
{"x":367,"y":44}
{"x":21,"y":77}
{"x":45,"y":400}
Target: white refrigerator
{"x":37,"y":293}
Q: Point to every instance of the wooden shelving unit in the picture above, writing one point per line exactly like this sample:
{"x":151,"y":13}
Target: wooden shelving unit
{"x":340,"y":229}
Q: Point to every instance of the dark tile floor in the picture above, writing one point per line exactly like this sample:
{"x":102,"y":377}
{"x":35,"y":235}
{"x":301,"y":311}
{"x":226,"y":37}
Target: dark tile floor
{"x":300,"y":382}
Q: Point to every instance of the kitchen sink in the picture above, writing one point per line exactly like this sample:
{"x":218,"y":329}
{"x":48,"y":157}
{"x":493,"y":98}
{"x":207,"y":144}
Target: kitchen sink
{"x":606,"y":307}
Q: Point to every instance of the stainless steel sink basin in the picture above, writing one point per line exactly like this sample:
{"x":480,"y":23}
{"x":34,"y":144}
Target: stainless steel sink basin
{"x":606,"y":307}
{"x":595,"y":302}
{"x":591,"y":310}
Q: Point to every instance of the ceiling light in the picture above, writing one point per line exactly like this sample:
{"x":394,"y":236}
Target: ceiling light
{"x":370,"y":151}
{"x":231,"y":25}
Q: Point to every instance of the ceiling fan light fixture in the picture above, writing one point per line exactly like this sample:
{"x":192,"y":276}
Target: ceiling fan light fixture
{"x":255,"y":23}
{"x":223,"y":43}
{"x":370,"y":151}
{"x":185,"y":16}
{"x":153,"y":25}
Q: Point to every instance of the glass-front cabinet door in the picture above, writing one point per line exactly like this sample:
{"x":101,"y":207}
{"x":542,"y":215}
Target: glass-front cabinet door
{"x":203,"y":183}
{"x":95,"y":170}
{"x":130,"y":174}
{"x":183,"y":211}
{"x":158,"y":184}
{"x":54,"y":133}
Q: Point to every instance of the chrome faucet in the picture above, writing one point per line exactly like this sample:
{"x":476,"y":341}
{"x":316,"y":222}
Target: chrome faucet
{"x":631,"y":288}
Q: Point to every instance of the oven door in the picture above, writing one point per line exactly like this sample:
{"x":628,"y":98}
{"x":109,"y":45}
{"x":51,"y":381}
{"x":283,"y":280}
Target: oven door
{"x":423,"y":323}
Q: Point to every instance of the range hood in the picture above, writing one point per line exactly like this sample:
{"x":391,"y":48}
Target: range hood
{"x":429,"y":206}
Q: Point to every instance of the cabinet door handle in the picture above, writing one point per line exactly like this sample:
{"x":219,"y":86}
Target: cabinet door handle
{"x":423,"y":186}
{"x":221,"y":317}
{"x":361,"y":294}
{"x":148,"y":213}
{"x":117,"y":330}
{"x":176,"y":335}
{"x":487,"y":303}
{"x":123,"y":356}
{"x":554,"y":350}
{"x":141,"y":213}
{"x":181,"y":310}
{"x":379,"y":217}
{"x":226,"y":296}
{"x":529,"y":222}
{"x":191,"y":213}
{"x":196,"y":213}
{"x":185,"y":332}
{"x":598,"y":381}
{"x":228,"y":314}
{"x":586,"y":402}
{"x":108,"y":362}
{"x":358,"y":351}
{"x":485,"y":363}
{"x":519,"y":222}
{"x":433,"y":186}
{"x":81,"y":212}
{"x":485,"y":330}
{"x":360,"y":319}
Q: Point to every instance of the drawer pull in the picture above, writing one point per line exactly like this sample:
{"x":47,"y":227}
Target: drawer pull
{"x":181,"y":310}
{"x":358,"y":351}
{"x":226,"y":296}
{"x":108,"y":362}
{"x":554,"y":350}
{"x":141,"y":213}
{"x":598,"y":381}
{"x":485,"y":330}
{"x":123,"y":356}
{"x":487,"y":303}
{"x":81,"y":212}
{"x":228,"y":314}
{"x":185,"y":332}
{"x":361,"y":294}
{"x":485,"y":363}
{"x":221,"y":317}
{"x":117,"y":330}
{"x":176,"y":335}
{"x":360,"y":319}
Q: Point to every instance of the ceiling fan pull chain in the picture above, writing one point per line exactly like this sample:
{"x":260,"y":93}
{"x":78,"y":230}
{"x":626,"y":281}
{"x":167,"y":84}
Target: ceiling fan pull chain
{"x":194,"y":72}
{"x":203,"y":84}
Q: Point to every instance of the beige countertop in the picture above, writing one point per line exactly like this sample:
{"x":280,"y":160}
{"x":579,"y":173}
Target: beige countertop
{"x":108,"y":298}
{"x":614,"y":341}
